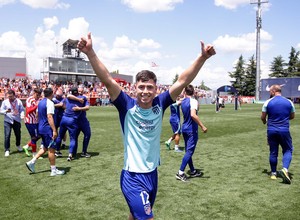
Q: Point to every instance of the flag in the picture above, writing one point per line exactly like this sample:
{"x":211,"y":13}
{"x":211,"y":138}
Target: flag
{"x":153,"y":64}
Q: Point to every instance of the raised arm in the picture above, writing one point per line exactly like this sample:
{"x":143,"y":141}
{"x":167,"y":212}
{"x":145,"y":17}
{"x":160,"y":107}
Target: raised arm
{"x":85,"y":46}
{"x":191,"y":72}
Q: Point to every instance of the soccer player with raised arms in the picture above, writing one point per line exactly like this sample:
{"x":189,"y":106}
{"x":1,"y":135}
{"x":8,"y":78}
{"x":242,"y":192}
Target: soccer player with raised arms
{"x":141,"y":122}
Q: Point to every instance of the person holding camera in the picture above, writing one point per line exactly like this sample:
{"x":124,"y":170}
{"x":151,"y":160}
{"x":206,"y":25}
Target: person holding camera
{"x":13,"y":110}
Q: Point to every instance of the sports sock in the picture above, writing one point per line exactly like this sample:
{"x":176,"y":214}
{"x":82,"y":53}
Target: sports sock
{"x":33,"y":160}
{"x":176,"y":147}
{"x":285,"y":169}
{"x":53,"y":167}
{"x":180,"y":172}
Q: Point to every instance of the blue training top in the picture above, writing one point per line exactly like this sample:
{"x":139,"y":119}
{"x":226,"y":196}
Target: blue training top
{"x":189,"y":125}
{"x":175,"y":113}
{"x":279,"y":110}
{"x":45,"y":107}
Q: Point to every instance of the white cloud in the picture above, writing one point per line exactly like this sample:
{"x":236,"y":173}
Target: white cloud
{"x":45,"y":4}
{"x":124,"y":42}
{"x":45,"y":43}
{"x":13,"y":44}
{"x":242,"y":43}
{"x":128,"y":49}
{"x":212,"y":76}
{"x":298,"y":45}
{"x":151,"y":5}
{"x":149,"y":43}
{"x":6,"y":2}
{"x":77,"y":28}
{"x":151,"y":55}
{"x":231,"y":4}
{"x":50,"y":22}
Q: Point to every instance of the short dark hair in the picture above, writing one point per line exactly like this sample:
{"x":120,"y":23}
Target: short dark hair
{"x":48,"y":92}
{"x":145,"y":75}
{"x":37,"y":91}
{"x":74,"y":91}
{"x":189,"y":90}
{"x":11,"y":92}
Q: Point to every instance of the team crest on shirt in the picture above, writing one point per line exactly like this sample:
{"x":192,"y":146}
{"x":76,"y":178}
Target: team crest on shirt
{"x":156,"y":110}
{"x":147,"y":209}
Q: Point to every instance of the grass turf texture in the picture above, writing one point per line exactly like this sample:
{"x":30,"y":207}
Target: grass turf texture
{"x":233,"y":156}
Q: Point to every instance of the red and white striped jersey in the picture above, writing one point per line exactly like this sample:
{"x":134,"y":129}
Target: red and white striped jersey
{"x":31,"y":110}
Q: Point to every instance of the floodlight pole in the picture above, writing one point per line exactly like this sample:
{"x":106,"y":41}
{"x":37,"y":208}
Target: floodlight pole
{"x":258,"y":27}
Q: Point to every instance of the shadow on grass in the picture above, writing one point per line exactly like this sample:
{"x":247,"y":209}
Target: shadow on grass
{"x":78,"y":156}
{"x":66,"y":169}
{"x":201,"y":175}
{"x":278,"y":174}
{"x":93,"y":154}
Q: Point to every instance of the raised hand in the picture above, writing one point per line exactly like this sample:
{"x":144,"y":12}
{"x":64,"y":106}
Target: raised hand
{"x":208,"y":50}
{"x":85,"y":44}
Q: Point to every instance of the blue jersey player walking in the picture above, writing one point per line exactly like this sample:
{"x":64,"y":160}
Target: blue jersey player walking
{"x":48,"y":133}
{"x":141,"y":122}
{"x":280,"y":111}
{"x":191,"y":121}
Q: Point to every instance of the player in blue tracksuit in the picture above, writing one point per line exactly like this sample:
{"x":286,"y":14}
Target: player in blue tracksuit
{"x":69,"y":123}
{"x":191,"y":121}
{"x":280,"y":111}
{"x":141,"y":122}
{"x":82,"y":121}
{"x":58,"y":100}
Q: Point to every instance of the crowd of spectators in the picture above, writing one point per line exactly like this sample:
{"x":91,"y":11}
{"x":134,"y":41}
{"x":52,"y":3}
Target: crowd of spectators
{"x":96,"y":92}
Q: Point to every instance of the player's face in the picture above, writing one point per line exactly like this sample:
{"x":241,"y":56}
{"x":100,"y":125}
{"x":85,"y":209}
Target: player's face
{"x":36,"y":96}
{"x":146,"y":91}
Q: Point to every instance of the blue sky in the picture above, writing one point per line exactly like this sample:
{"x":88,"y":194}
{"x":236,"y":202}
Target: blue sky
{"x":129,"y":35}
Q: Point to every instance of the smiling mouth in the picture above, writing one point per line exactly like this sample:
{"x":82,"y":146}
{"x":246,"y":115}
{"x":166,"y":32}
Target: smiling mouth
{"x":145,"y":95}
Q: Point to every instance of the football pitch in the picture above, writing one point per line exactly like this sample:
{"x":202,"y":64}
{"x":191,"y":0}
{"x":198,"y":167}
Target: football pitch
{"x":233,"y":156}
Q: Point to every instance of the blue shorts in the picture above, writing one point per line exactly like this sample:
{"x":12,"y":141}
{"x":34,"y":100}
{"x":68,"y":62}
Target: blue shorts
{"x":176,"y":127}
{"x":139,"y":190}
{"x":32,"y":129}
{"x":48,"y":142}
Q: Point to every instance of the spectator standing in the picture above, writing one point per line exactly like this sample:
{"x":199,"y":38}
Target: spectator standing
{"x":13,"y":111}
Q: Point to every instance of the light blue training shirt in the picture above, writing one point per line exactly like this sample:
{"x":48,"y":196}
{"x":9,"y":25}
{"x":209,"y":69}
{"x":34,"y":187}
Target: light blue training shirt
{"x":141,"y":130}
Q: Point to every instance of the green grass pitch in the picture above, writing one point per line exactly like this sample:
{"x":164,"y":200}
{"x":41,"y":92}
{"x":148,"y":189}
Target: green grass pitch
{"x":233,"y":156}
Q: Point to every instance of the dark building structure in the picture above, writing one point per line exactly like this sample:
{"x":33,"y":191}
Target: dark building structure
{"x":73,"y":68}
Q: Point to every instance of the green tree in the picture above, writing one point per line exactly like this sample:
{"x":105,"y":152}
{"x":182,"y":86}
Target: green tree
{"x":203,"y":86}
{"x":277,"y":67}
{"x":250,"y":77}
{"x":297,"y":73}
{"x":238,"y":76}
{"x":175,"y":78}
{"x":292,"y":65}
